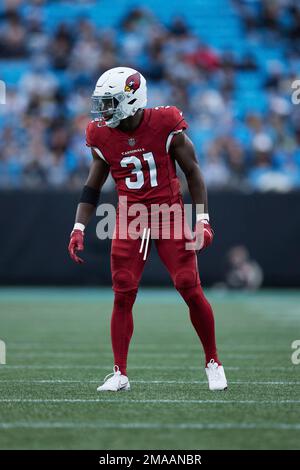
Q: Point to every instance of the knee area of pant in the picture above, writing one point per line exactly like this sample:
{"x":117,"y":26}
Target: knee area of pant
{"x":185,"y":279}
{"x":123,"y":281}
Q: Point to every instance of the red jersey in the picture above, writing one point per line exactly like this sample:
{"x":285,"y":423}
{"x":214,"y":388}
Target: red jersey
{"x":139,"y":161}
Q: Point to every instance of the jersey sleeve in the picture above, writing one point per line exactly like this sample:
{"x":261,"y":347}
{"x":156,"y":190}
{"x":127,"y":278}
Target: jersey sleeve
{"x":176,"y":120}
{"x":90,"y":135}
{"x":174,"y":124}
{"x":94,"y":141}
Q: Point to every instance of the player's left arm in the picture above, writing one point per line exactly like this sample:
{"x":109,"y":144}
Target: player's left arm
{"x":183,"y":152}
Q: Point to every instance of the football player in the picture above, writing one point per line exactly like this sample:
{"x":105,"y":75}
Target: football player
{"x":140,"y":148}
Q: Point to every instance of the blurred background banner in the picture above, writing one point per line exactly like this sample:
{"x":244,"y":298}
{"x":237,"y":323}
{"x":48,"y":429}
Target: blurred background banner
{"x":230,"y":65}
{"x":252,"y":243}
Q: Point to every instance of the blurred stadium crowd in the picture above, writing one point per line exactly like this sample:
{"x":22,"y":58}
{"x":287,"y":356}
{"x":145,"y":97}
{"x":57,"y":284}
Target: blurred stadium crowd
{"x":236,"y":93}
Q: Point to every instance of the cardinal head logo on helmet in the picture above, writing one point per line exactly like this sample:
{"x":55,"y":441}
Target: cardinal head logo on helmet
{"x":133,"y":83}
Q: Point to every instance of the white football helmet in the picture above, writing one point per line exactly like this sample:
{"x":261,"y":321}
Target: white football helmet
{"x":119,"y":93}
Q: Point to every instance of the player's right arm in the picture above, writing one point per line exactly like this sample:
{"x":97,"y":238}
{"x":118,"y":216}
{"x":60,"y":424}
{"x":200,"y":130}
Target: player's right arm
{"x":98,"y":173}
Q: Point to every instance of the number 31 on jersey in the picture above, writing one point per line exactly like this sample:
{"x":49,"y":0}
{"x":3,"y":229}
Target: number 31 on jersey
{"x":137,"y":172}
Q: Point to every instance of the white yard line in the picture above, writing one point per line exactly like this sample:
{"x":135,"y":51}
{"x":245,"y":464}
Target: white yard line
{"x":44,"y":346}
{"x":155,"y":382}
{"x":105,"y":425}
{"x":84,"y":354}
{"x":289,"y":368}
{"x":143,"y":401}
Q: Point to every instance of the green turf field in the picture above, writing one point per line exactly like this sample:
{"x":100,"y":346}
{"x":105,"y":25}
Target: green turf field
{"x":58,"y":351}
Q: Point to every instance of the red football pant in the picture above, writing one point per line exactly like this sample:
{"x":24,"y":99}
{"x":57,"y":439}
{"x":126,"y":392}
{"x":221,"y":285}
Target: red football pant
{"x":127,"y":266}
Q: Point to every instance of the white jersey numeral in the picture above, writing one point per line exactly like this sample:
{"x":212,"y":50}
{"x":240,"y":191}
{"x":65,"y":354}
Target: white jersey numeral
{"x":149,"y":158}
{"x":138,"y":172}
{"x":138,"y":183}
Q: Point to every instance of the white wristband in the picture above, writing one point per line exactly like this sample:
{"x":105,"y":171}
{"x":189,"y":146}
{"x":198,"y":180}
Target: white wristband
{"x":204,"y":217}
{"x":79,"y":226}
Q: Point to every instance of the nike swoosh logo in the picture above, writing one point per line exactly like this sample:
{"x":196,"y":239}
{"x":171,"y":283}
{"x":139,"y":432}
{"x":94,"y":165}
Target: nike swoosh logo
{"x":123,"y":385}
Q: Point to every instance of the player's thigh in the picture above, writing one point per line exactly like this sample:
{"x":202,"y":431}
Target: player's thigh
{"x":180,"y":261}
{"x":127,"y":264}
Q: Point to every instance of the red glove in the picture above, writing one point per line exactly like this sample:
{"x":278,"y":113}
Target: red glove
{"x":76,"y":244}
{"x":204,"y":235}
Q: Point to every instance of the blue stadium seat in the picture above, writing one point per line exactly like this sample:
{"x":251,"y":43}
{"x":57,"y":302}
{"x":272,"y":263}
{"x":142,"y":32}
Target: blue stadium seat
{"x":12,"y":70}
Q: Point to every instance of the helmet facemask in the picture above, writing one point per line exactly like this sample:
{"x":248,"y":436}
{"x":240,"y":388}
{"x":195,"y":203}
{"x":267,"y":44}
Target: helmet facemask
{"x":108,"y":109}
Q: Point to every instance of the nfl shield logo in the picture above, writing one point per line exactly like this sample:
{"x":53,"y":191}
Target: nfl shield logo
{"x":131,"y":142}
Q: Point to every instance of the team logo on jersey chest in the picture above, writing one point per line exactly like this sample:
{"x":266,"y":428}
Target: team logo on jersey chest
{"x":131,"y":142}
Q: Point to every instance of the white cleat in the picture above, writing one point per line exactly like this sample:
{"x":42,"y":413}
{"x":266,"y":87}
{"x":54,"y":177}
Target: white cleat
{"x":114,"y":382}
{"x":216,"y":376}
